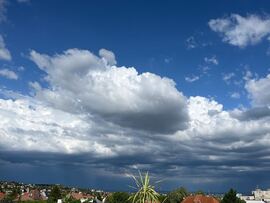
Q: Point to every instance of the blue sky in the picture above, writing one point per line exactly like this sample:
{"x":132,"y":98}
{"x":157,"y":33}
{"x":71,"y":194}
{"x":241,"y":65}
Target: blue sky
{"x":209,"y":65}
{"x":143,"y":35}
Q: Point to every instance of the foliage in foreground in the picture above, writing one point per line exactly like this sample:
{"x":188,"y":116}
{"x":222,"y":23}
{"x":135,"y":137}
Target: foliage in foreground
{"x":145,"y":191}
{"x":34,"y":201}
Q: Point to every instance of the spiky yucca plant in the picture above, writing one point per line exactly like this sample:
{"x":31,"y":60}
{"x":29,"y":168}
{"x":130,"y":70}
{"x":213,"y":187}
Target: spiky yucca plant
{"x":145,"y":192}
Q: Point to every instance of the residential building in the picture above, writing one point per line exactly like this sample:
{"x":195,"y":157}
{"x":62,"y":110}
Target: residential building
{"x":261,"y":194}
{"x":200,"y":199}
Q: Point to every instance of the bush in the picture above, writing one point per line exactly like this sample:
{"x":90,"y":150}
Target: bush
{"x":118,"y":197}
{"x":177,"y":195}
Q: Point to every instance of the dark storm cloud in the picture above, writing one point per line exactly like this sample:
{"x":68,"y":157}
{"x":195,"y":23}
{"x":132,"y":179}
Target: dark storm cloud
{"x":165,"y":120}
{"x":79,"y":169}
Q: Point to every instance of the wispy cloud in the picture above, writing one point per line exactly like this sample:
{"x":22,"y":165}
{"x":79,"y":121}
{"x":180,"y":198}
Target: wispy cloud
{"x":247,"y":75}
{"x":4,"y":52}
{"x":168,"y":60}
{"x":227,"y":77}
{"x":197,"y":40}
{"x":191,"y":43}
{"x":3,"y":10}
{"x":8,"y":74}
{"x":211,"y":60}
{"x":235,"y":95}
{"x":192,"y":78}
{"x":23,"y":1}
{"x":268,"y":51}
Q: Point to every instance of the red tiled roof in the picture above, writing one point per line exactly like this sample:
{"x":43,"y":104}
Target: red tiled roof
{"x":35,"y":194}
{"x":88,"y":196}
{"x":2,"y":195}
{"x":24,"y":197}
{"x":76,"y":195}
{"x":79,"y":195}
{"x":200,"y":199}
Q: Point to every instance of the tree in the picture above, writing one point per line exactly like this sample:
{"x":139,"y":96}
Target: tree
{"x":118,"y":197}
{"x":230,"y":197}
{"x":200,"y":192}
{"x":177,"y":195}
{"x":162,"y":198}
{"x":145,"y":191}
{"x":13,"y":195}
{"x":55,"y":194}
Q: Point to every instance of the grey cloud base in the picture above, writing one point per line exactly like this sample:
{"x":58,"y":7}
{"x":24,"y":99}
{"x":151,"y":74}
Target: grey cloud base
{"x":252,"y":114}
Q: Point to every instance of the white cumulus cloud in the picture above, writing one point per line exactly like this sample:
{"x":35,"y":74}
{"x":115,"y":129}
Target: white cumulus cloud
{"x":240,"y":30}
{"x":108,"y":56}
{"x":83,"y":82}
{"x":26,"y":125}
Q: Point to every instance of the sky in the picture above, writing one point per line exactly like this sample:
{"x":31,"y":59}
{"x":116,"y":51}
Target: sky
{"x":93,"y":91}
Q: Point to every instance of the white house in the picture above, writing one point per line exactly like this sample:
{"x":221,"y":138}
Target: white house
{"x":261,"y":194}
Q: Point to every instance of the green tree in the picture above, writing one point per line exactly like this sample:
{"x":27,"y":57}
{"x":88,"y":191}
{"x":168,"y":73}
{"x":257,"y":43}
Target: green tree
{"x":118,"y":197}
{"x":145,"y":191}
{"x":200,"y":192}
{"x":55,"y":194}
{"x":13,"y":195}
{"x":230,"y":197}
{"x":177,"y":195}
{"x":162,"y":198}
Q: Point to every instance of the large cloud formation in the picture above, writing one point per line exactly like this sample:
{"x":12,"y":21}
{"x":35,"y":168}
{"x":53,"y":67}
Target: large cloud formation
{"x":82,"y":82}
{"x":94,"y":115}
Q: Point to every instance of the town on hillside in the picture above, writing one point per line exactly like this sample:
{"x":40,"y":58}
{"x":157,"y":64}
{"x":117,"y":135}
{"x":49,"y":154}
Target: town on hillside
{"x":20,"y":192}
{"x":47,"y":193}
